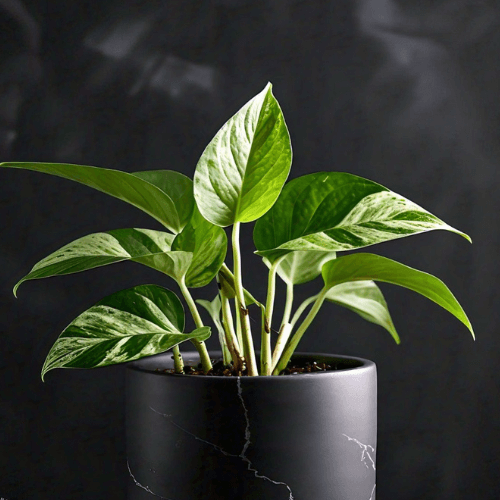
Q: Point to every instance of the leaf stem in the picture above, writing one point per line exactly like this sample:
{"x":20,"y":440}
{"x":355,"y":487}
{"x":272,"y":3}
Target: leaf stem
{"x":292,"y":345}
{"x":246,"y":331}
{"x":267,"y":318}
{"x":200,"y":346}
{"x":231,"y":340}
{"x":178,"y":361}
{"x":285,"y":327}
{"x":302,"y":308}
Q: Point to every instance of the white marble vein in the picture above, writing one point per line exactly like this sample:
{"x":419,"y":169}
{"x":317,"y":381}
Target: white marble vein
{"x":372,"y":496}
{"x":247,"y":444}
{"x":218,"y":448}
{"x":365,"y":453}
{"x":145,"y":488}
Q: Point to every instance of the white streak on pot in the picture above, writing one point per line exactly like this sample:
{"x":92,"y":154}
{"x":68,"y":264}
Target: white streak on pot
{"x":365,"y":453}
{"x":247,"y":444}
{"x":145,"y":488}
{"x":213,"y":445}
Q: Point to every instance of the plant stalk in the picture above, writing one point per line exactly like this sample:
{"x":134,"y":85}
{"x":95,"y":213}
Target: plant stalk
{"x":267,"y":318}
{"x":178,"y":361}
{"x":302,"y":308}
{"x":292,"y":345}
{"x":200,"y":346}
{"x":246,"y":331}
{"x":285,"y":327}
{"x":231,"y":340}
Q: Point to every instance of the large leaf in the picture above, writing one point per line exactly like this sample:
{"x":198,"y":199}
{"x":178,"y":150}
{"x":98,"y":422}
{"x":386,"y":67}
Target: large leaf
{"x":148,"y":247}
{"x":334,"y":211}
{"x":207,"y":243}
{"x":366,"y":299}
{"x":127,"y":325}
{"x":302,"y":266}
{"x":365,"y":266}
{"x":242,"y":170}
{"x":169,"y":204}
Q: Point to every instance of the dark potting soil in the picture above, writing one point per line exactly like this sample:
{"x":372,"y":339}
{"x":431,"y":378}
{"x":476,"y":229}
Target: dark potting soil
{"x":221,"y":370}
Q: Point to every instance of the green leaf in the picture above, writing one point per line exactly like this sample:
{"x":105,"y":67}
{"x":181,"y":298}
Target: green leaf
{"x":178,"y":187}
{"x":127,"y":325}
{"x":169,"y":204}
{"x":302,"y":266}
{"x":334,"y":211}
{"x":148,"y":247}
{"x":366,"y":299}
{"x":242,"y":170}
{"x":214,"y":310}
{"x":365,"y":266}
{"x":207,"y":243}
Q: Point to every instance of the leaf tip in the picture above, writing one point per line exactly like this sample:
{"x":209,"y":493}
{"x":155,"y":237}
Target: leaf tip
{"x":16,"y":286}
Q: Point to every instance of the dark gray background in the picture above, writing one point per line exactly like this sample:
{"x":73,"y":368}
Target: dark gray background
{"x":402,"y":92}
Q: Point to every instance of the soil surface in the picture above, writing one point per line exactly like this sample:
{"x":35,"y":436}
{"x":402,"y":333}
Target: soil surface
{"x":221,"y":370}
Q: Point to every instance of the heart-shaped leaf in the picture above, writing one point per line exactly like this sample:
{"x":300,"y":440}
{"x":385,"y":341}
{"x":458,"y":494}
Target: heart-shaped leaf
{"x":302,"y":266}
{"x":127,"y":325}
{"x":365,"y":266}
{"x":242,"y":170}
{"x":207,"y":243}
{"x":148,"y":247}
{"x":366,"y":299}
{"x":169,"y":204}
{"x":334,"y":211}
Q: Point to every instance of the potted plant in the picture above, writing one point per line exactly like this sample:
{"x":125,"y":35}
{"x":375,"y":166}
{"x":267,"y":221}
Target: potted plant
{"x":242,"y":423}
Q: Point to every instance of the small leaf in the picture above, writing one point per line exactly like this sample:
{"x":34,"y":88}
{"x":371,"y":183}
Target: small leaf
{"x":365,"y":266}
{"x":334,"y":211}
{"x":242,"y":170}
{"x":148,"y":247}
{"x":301,"y":267}
{"x":365,"y":299}
{"x":127,"y":325}
{"x":169,"y":205}
{"x":207,"y":243}
{"x":214,"y":309}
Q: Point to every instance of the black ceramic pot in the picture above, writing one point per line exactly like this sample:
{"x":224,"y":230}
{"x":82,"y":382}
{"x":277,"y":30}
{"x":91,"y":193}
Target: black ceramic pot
{"x":304,"y":437}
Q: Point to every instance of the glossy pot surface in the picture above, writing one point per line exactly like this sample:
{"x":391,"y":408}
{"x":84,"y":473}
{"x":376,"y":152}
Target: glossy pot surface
{"x":303,"y":437}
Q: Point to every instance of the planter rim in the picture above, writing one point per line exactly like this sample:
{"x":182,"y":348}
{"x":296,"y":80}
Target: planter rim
{"x":364,"y":365}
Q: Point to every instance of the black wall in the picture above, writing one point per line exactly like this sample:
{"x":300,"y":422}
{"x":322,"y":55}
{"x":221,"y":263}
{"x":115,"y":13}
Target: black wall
{"x":402,"y":92}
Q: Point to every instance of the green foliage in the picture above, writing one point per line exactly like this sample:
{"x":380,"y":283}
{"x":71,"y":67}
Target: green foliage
{"x":127,"y":325}
{"x":301,"y":228}
{"x":241,"y":172}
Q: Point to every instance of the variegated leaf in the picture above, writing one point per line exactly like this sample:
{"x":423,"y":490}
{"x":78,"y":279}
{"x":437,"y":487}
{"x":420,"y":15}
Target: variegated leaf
{"x":165,"y":195}
{"x":301,"y":266}
{"x":207,"y":243}
{"x":127,"y":325}
{"x":366,"y":299}
{"x":148,"y":247}
{"x":366,"y":266}
{"x":334,"y":211}
{"x":242,"y":170}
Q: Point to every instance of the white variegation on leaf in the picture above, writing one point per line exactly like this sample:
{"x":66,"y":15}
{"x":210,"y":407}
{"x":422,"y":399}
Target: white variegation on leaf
{"x":335,"y":211}
{"x":242,"y":170}
{"x":301,"y":266}
{"x":165,"y":195}
{"x":366,"y":299}
{"x":207,"y":243}
{"x":128,"y":325}
{"x":366,"y":266}
{"x":148,"y":247}
{"x":214,"y":309}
